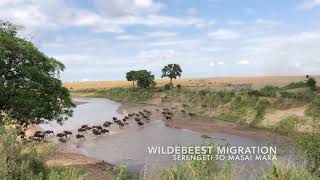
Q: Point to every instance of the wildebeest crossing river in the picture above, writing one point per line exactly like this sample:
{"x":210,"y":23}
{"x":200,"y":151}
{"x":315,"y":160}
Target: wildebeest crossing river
{"x":131,"y":143}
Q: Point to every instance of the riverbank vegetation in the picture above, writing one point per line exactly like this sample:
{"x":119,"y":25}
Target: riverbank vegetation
{"x":24,"y":161}
{"x":210,"y":170}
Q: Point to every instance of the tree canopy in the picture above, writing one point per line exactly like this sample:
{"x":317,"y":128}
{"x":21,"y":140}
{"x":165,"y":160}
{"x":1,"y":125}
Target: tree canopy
{"x":145,"y":79}
{"x":132,"y":76}
{"x":171,"y":71}
{"x":30,"y":87}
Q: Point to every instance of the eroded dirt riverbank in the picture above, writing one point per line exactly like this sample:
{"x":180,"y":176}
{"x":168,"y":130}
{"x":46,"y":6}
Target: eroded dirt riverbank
{"x":200,"y":124}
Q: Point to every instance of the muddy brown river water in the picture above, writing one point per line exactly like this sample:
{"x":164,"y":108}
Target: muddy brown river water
{"x":131,"y":143}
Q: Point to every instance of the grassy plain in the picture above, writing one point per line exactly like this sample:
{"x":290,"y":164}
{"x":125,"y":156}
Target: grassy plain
{"x":214,"y":83}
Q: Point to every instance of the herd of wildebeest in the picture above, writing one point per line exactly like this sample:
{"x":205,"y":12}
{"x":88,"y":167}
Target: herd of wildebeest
{"x":140,"y":118}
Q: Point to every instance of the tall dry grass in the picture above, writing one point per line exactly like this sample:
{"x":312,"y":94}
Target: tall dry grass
{"x":214,"y":83}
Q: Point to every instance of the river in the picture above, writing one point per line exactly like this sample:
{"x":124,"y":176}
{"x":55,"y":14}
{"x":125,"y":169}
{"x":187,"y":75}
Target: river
{"x":131,"y":143}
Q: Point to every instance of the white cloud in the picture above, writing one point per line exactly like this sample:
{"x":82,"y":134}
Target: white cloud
{"x":127,"y":38}
{"x":309,"y":4}
{"x":235,"y":22}
{"x":212,"y":64}
{"x":243,"y":62}
{"x":127,"y":7}
{"x":267,"y":22}
{"x":219,"y":63}
{"x":160,"y":34}
{"x":157,"y":54}
{"x":56,"y":14}
{"x":224,"y":34}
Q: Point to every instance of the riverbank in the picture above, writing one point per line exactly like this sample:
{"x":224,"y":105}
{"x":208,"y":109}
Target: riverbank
{"x":72,"y":158}
{"x":197,"y":123}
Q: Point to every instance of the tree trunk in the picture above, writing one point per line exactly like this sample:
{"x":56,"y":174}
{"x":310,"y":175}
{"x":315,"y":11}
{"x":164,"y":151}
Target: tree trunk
{"x":171,"y":81}
{"x":133,"y":83}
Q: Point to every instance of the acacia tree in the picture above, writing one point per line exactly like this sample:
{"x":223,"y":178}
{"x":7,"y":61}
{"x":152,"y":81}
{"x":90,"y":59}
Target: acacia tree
{"x":145,"y":79}
{"x":171,"y":71}
{"x":30,"y":87}
{"x":131,"y":76}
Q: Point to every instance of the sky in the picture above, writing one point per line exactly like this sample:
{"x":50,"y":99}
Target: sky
{"x":104,"y":39}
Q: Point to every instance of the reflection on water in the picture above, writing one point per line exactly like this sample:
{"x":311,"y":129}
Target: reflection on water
{"x":88,"y":111}
{"x":130,"y":144}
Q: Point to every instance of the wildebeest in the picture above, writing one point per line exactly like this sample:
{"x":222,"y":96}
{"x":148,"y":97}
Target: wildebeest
{"x":67,"y":133}
{"x":80,"y":136}
{"x":96,"y":132}
{"x":49,"y":132}
{"x":98,"y":127}
{"x":84,"y":126}
{"x":38,"y":132}
{"x":137,"y":119}
{"x":140,"y":123}
{"x":33,"y":138}
{"x":62,"y":140}
{"x":107,"y":124}
{"x":39,"y":135}
{"x":82,"y":130}
{"x":120,"y":123}
{"x":103,"y":131}
{"x":60,"y":135}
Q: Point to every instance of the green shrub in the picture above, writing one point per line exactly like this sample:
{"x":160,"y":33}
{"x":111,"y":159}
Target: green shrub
{"x":313,"y":110}
{"x":228,"y":117}
{"x":294,"y":85}
{"x":66,"y":174}
{"x":179,"y":86}
{"x":269,"y":91}
{"x":167,"y":87}
{"x":312,"y":84}
{"x":288,"y":125}
{"x":260,"y":109}
{"x":22,"y":162}
{"x":242,"y":102}
{"x":309,"y":147}
{"x":306,"y":96}
{"x":281,"y":172}
{"x":121,"y":172}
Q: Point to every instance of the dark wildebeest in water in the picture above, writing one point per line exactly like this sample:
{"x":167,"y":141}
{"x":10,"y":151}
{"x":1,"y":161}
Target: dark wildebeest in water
{"x":80,"y":136}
